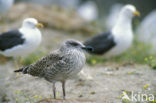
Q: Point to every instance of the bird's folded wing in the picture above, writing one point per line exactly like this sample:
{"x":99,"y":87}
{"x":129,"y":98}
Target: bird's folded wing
{"x":49,"y":61}
{"x":101,"y":43}
{"x":10,"y":39}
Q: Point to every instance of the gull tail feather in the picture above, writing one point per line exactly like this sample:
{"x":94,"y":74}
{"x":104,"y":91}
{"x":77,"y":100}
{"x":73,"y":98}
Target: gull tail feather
{"x":23,"y":70}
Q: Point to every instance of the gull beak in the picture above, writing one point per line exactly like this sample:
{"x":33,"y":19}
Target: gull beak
{"x":136,"y":13}
{"x":39,"y":25}
{"x":88,"y":48}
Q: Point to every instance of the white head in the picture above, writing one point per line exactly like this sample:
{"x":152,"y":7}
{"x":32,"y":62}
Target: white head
{"x":129,"y":11}
{"x":31,"y":23}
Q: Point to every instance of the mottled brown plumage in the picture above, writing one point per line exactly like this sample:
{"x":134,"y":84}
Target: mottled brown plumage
{"x":59,"y":65}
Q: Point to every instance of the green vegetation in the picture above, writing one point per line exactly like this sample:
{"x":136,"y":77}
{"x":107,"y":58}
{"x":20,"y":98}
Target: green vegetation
{"x":22,"y":97}
{"x":33,"y":57}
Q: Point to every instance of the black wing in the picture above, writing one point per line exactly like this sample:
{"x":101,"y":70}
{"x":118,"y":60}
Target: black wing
{"x":101,"y":43}
{"x":10,"y":39}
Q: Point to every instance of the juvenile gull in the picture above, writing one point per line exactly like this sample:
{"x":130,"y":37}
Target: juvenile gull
{"x":59,"y":65}
{"x":117,"y":40}
{"x":21,"y":41}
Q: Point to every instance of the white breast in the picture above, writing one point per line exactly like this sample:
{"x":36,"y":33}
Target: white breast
{"x":123,"y":38}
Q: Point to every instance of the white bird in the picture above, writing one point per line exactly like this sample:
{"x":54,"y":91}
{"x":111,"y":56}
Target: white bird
{"x":5,"y":5}
{"x":88,"y":11}
{"x":119,"y":38}
{"x":21,"y":41}
{"x":146,"y":30}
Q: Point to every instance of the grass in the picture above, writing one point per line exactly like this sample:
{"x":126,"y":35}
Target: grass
{"x":22,"y":97}
{"x":139,"y":53}
{"x":33,"y":57}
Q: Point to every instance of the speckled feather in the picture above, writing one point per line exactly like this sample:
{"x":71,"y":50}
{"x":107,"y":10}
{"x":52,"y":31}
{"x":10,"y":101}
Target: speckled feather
{"x":58,"y":66}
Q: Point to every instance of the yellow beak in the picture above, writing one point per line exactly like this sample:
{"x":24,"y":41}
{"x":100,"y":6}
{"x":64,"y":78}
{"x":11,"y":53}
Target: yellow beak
{"x":136,"y":13}
{"x":39,"y":25}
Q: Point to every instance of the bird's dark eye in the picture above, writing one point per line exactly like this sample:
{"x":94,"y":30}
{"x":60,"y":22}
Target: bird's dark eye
{"x":29,"y":22}
{"x":74,"y":44}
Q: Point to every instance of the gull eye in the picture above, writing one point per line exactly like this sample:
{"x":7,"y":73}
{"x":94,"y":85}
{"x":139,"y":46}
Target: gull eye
{"x":29,"y":22}
{"x":74,"y":44}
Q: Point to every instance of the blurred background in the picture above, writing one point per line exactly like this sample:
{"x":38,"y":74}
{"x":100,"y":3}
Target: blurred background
{"x":103,"y":6}
{"x":133,"y":70}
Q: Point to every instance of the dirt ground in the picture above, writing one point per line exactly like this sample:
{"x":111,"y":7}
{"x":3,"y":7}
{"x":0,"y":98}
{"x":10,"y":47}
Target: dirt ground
{"x":106,"y":85}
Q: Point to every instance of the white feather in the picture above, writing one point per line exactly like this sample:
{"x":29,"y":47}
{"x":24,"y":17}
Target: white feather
{"x":32,"y":37}
{"x":122,"y":31}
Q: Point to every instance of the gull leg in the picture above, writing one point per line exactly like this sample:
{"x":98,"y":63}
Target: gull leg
{"x":17,"y":62}
{"x":54,"y":90}
{"x":63,"y":88}
{"x":16,"y":66}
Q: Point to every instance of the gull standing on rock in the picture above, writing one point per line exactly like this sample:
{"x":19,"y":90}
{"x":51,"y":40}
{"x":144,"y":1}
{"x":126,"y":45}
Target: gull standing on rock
{"x":21,"y":41}
{"x":119,"y":38}
{"x":59,"y":65}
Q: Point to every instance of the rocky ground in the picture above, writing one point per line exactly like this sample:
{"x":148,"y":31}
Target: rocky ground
{"x":108,"y":82}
